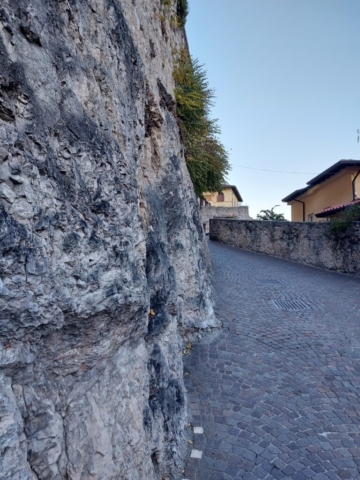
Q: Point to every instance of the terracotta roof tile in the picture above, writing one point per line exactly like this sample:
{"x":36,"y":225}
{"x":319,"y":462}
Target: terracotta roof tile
{"x":336,"y":208}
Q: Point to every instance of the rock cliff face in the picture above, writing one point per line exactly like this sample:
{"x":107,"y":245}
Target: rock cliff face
{"x":103,"y":267}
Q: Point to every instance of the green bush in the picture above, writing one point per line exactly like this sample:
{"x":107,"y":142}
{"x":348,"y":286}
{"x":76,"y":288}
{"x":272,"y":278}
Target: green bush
{"x":345,"y":221}
{"x":271,"y":215}
{"x":206,"y":157}
{"x":182,"y":11}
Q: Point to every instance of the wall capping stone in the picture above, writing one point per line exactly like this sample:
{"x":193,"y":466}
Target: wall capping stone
{"x":239,"y":213}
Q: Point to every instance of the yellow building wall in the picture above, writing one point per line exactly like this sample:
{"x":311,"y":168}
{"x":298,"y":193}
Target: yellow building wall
{"x":335,"y":191}
{"x":357,"y":186}
{"x":230,"y":199}
{"x":296,"y":212}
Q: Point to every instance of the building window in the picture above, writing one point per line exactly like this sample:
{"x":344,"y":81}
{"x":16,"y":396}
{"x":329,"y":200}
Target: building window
{"x":220,"y":198}
{"x":311,"y":217}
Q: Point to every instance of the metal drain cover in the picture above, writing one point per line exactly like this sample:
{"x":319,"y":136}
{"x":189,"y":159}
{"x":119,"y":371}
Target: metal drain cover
{"x":291,"y":305}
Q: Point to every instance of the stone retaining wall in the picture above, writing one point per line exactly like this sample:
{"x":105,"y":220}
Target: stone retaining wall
{"x":308,"y":243}
{"x":239,"y":213}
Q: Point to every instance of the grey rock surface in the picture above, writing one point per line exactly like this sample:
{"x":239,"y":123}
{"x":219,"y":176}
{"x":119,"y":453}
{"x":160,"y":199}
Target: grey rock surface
{"x":103,"y":268}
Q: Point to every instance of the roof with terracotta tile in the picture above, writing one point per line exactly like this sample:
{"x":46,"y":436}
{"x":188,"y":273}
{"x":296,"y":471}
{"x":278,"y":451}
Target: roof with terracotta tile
{"x":336,"y":209}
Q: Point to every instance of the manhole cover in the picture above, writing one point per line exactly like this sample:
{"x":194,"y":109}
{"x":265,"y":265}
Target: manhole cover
{"x":290,"y":305}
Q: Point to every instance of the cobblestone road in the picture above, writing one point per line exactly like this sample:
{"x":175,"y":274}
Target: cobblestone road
{"x":278,"y":392}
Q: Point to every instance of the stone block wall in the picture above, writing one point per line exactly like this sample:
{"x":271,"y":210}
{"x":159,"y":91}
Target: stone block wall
{"x":308,"y":243}
{"x":239,"y":213}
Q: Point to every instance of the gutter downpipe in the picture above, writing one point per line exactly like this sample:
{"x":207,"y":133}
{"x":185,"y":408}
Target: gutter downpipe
{"x":303,"y":203}
{"x":353,"y":185}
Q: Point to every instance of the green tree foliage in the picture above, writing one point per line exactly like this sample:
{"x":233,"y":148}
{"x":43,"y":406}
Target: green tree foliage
{"x":206,"y":157}
{"x":271,"y":215}
{"x":345,"y":221}
{"x":182,"y":11}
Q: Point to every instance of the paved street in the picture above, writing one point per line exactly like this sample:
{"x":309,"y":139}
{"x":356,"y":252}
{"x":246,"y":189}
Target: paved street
{"x":278,"y":392}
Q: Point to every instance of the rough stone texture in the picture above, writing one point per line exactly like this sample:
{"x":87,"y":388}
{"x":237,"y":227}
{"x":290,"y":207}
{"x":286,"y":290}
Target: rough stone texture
{"x":103,"y":270}
{"x":309,"y":243}
{"x":207,"y":212}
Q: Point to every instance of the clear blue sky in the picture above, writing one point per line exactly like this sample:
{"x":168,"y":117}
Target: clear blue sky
{"x":287,"y":79}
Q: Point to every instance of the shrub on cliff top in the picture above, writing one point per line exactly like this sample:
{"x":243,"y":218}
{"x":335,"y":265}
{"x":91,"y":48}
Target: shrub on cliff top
{"x":206,"y":157}
{"x":182,"y":11}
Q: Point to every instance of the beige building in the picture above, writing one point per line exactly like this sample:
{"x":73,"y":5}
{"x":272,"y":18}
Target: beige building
{"x":229,"y":197}
{"x":327,"y":194}
{"x":226,"y":204}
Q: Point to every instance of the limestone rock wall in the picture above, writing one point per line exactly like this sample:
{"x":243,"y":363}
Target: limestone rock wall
{"x":308,"y":243}
{"x":103,"y":268}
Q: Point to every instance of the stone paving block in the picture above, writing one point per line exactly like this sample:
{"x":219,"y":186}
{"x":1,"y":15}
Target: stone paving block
{"x":317,"y":468}
{"x":260,"y":472}
{"x":308,"y":473}
{"x":344,"y":474}
{"x":250,"y":476}
{"x":204,"y":474}
{"x":330,"y":475}
{"x":288,"y":471}
{"x":277,"y":384}
{"x":220,"y":466}
{"x":299,"y":476}
{"x":306,"y":461}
